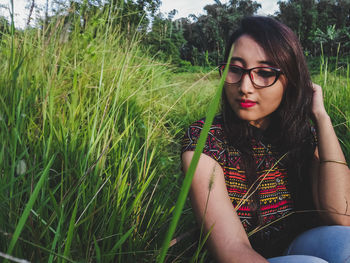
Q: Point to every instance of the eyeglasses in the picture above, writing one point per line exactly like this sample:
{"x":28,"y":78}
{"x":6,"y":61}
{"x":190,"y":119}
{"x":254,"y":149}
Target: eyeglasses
{"x":261,"y":77}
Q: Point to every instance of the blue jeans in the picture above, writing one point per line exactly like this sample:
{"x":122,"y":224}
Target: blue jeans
{"x":319,"y":245}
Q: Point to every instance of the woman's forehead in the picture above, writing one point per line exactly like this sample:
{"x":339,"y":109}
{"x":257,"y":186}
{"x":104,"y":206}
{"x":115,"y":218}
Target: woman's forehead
{"x":247,"y":51}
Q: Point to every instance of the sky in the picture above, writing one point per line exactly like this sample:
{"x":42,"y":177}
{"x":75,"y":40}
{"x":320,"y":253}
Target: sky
{"x":184,"y":8}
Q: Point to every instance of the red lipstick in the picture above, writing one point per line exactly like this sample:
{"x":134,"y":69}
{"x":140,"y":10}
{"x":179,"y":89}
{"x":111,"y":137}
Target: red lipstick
{"x":246,"y":103}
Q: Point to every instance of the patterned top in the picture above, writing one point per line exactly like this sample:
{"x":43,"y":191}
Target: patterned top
{"x":275,"y":199}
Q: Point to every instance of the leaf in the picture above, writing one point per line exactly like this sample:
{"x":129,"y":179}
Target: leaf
{"x":29,"y":206}
{"x":98,"y":251}
{"x":71,"y":230}
{"x":121,"y":241}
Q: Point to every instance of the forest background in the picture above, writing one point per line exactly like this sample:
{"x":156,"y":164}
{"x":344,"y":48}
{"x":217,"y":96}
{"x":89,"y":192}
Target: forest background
{"x":95,"y":98}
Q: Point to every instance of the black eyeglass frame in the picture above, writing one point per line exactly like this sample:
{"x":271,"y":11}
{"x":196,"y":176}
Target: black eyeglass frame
{"x":248,"y":71}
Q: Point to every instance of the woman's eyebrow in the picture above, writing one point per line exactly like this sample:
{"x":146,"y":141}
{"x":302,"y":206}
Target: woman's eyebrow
{"x":234,"y":59}
{"x":267,"y":63}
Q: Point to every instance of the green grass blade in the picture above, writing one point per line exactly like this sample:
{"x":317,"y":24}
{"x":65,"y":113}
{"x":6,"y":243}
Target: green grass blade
{"x":201,"y":245}
{"x":29,"y":206}
{"x":98,"y":251}
{"x":192,"y":168}
{"x":70,"y":231}
{"x":58,"y":231}
{"x":121,"y":241}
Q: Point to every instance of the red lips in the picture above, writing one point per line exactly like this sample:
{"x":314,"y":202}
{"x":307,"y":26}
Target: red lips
{"x":246,"y":103}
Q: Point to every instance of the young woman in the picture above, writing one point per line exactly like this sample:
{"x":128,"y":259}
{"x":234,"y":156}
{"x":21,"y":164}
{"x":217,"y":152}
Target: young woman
{"x":269,"y":174}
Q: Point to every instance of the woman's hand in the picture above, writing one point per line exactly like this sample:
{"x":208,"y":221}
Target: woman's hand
{"x":318,"y":108}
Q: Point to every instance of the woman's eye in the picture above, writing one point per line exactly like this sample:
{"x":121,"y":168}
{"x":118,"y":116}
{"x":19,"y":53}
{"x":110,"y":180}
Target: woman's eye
{"x":235,"y":70}
{"x":265,"y":73}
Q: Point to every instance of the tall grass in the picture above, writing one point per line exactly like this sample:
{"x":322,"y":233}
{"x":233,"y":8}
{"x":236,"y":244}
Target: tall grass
{"x":90,"y":128}
{"x":85,"y":154}
{"x":335,"y":81}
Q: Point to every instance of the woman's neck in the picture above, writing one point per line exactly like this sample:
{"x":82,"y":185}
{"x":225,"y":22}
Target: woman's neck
{"x":261,"y":124}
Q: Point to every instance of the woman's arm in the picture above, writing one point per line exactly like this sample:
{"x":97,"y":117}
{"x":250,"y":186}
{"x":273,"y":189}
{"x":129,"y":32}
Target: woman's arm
{"x":331,"y":179}
{"x":228,"y":240}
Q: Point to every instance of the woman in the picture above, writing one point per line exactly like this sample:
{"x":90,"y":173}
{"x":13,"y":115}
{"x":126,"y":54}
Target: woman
{"x":265,"y":171}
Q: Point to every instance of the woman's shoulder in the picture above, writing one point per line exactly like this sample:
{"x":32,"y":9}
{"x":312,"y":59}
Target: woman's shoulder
{"x":216,"y":129}
{"x":217,"y":124}
{"x":215,"y":141}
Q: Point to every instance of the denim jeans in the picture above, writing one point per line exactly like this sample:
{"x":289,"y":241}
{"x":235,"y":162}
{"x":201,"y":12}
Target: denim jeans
{"x":319,"y":245}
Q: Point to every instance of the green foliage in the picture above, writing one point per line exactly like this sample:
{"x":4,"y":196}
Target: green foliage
{"x":208,"y":34}
{"x":86,"y":112}
{"x":318,"y":22}
{"x":133,"y":15}
{"x":165,"y":40}
{"x":90,"y":127}
{"x":4,"y":26}
{"x":128,"y":16}
{"x":300,"y":16}
{"x":202,"y":40}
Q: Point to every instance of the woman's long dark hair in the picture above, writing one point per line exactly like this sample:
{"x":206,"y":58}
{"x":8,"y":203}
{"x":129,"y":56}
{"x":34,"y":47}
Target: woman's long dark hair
{"x":292,"y":118}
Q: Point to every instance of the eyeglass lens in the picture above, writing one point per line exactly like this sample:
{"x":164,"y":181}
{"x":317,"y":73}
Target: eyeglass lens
{"x":259,"y":76}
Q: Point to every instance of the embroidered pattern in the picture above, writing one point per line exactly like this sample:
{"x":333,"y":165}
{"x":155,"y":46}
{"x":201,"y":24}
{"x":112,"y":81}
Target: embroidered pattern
{"x":275,"y":199}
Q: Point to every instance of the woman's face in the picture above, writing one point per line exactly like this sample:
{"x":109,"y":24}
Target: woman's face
{"x":248,"y":102}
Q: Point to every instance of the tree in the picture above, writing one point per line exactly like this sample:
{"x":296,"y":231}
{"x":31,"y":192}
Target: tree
{"x":208,"y":34}
{"x":317,"y":22}
{"x":130,"y":14}
{"x":166,"y":39}
{"x":300,"y":16}
{"x":133,"y":14}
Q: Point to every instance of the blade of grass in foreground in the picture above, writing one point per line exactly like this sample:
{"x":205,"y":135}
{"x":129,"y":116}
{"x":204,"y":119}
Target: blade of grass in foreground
{"x":192,"y":168}
{"x":58,"y":231}
{"x":29,"y":206}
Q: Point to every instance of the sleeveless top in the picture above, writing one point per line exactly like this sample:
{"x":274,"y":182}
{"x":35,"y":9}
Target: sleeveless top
{"x":278,"y":223}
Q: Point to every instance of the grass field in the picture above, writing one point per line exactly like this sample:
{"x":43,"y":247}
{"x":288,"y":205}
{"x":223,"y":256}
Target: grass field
{"x":90,"y":128}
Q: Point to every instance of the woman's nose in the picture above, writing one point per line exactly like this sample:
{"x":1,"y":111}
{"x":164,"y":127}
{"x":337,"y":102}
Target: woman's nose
{"x":246,"y":85}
